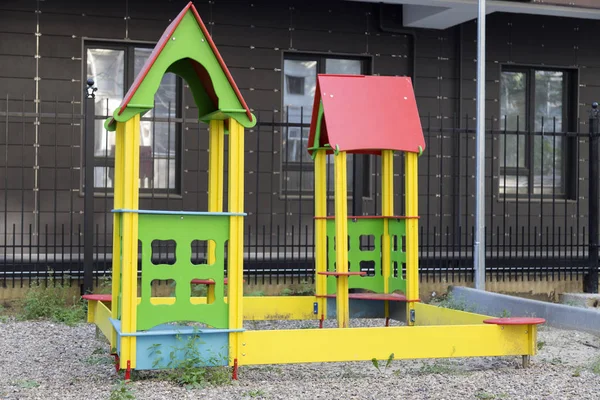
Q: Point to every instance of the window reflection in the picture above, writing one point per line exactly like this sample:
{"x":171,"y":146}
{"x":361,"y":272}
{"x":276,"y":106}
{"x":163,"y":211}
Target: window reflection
{"x":157,"y":138}
{"x":299,"y":87}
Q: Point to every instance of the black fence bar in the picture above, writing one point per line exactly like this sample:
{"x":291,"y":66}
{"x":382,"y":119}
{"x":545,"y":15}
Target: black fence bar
{"x":537,"y":197}
{"x":591,"y":279}
{"x":88,"y":185}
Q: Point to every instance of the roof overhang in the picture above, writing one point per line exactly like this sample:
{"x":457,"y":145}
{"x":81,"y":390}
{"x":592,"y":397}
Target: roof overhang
{"x":443,"y":14}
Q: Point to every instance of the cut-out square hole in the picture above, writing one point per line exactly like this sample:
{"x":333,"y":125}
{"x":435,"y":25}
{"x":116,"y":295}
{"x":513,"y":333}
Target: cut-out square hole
{"x":335,"y":243}
{"x":335,"y":266}
{"x":368,"y":267}
{"x":200,"y":288}
{"x":367,"y":242}
{"x":200,"y":250}
{"x":403,"y":270}
{"x":404,"y":244}
{"x":162,"y":288}
{"x":395,"y":266}
{"x":163,"y":252}
{"x":394,"y":242}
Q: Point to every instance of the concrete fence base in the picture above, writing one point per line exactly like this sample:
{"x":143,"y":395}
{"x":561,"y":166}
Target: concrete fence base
{"x":556,"y":315}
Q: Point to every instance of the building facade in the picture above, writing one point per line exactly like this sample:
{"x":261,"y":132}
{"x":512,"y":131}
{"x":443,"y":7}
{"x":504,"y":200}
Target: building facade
{"x":541,"y":78}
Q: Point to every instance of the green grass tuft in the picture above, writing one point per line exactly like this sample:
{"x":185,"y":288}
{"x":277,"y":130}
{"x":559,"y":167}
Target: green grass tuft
{"x":53,"y":301}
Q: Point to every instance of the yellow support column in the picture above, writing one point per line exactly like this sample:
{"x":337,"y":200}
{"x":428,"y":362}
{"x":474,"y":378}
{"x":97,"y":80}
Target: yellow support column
{"x":321,"y":229}
{"x":387,"y":209}
{"x":215,"y":183}
{"x":412,"y":233}
{"x":117,"y":223}
{"x":130,"y":132}
{"x":341,"y":239}
{"x":236,"y":238}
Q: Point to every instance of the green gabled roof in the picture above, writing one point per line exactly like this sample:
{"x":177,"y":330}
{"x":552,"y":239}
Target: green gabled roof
{"x":187,"y":50}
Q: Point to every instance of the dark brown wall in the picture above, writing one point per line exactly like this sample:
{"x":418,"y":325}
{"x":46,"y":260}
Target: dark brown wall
{"x":251,"y":37}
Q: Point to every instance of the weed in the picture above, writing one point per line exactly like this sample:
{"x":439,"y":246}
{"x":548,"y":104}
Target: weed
{"x":121,"y":392}
{"x":99,"y":357}
{"x":255,"y":393}
{"x":3,"y":318}
{"x":305,"y":289}
{"x":449,"y":301}
{"x":28,"y":384}
{"x":198,"y":291}
{"x":540,"y":344}
{"x":439,"y":367}
{"x":484,"y":395}
{"x":505,"y":314}
{"x":187,"y":367}
{"x":556,"y":361}
{"x":387,"y":364}
{"x":287,"y":292}
{"x":104,"y":285}
{"x":577,"y":372}
{"x":52,"y":301}
{"x":257,"y":293}
{"x":595,"y":367}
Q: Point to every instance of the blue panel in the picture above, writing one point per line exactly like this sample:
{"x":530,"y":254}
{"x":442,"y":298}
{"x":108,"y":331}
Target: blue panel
{"x":211,"y":345}
{"x":359,"y":309}
{"x":211,"y":349}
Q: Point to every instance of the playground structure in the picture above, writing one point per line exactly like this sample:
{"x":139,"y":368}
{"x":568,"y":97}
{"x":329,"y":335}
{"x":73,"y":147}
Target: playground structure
{"x":352,"y":114}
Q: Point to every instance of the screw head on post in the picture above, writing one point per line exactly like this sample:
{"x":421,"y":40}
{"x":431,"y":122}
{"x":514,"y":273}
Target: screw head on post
{"x":91,"y":89}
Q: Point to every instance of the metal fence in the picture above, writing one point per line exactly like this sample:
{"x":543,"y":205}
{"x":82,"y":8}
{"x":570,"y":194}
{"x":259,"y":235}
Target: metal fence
{"x":536,"y":193}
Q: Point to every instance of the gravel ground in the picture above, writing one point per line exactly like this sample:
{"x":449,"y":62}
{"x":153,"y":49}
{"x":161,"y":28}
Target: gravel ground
{"x":44,"y":360}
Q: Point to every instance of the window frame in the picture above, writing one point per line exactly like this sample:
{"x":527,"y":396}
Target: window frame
{"x":570,"y":113}
{"x":285,"y":166}
{"x":129,"y":46}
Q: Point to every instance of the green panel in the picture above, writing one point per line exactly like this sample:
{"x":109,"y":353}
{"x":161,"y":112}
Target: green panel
{"x":397,"y":231}
{"x":357,"y":228}
{"x":183,"y":229}
{"x":187,"y":42}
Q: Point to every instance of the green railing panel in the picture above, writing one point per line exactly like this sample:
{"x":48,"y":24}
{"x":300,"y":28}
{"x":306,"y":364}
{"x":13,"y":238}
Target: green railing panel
{"x":370,"y":257}
{"x":397,"y":231}
{"x":183,"y":230}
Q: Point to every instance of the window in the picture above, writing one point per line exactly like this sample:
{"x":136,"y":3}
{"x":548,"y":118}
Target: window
{"x":300,"y":81}
{"x":113,"y":68}
{"x":536,"y":107}
{"x":295,"y":84}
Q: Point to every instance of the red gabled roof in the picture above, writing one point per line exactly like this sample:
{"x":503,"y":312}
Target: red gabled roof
{"x":161,"y":45}
{"x":367,"y":114}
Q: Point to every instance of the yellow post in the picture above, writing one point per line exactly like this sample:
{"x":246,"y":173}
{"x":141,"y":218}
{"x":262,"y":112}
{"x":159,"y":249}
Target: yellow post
{"x":387,"y":209}
{"x":412,"y":234}
{"x":215,"y":183}
{"x":341,"y":239}
{"x":236,"y":236}
{"x":117,"y":223}
{"x":321,"y":229}
{"x":130,"y":132}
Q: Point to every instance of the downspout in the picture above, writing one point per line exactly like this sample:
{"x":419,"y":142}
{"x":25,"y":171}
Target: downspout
{"x":413,"y":74}
{"x":407,"y":32}
{"x":457,"y":139}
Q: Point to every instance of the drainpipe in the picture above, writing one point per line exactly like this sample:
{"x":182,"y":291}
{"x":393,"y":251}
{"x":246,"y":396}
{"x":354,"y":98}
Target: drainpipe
{"x":479,"y":242}
{"x":407,"y":32}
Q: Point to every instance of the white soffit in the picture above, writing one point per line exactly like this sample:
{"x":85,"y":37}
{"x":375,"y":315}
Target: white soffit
{"x":443,"y":14}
